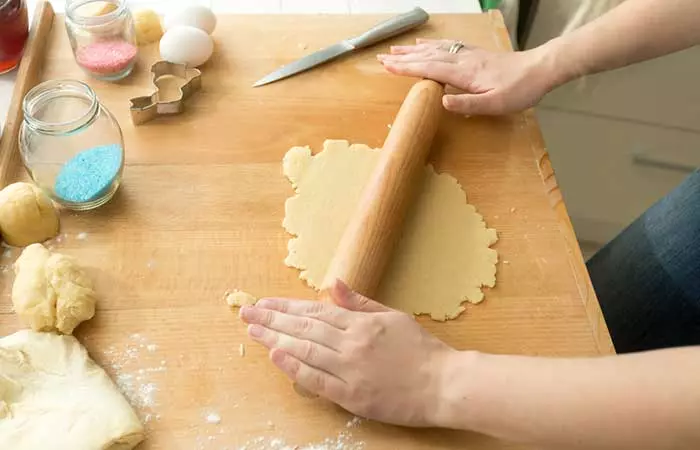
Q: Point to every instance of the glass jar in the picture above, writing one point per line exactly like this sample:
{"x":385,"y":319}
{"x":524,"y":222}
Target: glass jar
{"x":102,"y":36}
{"x":71,"y":145}
{"x":14,"y":29}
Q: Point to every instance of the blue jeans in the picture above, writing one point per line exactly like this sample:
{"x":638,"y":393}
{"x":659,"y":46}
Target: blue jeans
{"x":648,"y":278}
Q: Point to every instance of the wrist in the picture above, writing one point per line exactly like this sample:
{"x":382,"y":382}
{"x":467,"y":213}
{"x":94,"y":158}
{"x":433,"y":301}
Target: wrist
{"x":557,"y":67}
{"x":453,"y":408}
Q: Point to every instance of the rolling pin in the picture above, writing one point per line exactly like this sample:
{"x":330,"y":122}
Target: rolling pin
{"x":369,"y":239}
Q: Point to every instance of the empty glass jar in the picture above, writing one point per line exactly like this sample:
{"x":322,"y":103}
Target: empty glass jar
{"x":71,"y":145}
{"x":102,"y":36}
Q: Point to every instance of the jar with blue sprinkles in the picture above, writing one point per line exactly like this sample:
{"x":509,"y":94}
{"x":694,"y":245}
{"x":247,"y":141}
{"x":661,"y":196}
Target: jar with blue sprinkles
{"x":71,"y":144}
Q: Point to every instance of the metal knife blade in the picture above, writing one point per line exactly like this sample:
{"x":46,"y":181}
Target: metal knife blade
{"x":307,"y":62}
{"x":389,"y":28}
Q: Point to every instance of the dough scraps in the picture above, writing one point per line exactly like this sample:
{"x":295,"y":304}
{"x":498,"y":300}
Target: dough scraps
{"x":237,"y":298}
{"x":443,"y":257}
{"x":52,"y":395}
{"x":50,"y":291}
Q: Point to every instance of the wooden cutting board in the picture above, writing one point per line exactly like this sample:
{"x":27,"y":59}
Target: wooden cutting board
{"x":200,"y":212}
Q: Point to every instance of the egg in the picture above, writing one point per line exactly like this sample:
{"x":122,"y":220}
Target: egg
{"x":194,"y":16}
{"x":186,"y":45}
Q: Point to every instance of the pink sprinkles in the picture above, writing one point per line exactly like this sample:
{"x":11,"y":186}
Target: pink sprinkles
{"x":106,"y":58}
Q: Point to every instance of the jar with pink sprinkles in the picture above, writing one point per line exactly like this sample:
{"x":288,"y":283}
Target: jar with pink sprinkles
{"x":102,"y":36}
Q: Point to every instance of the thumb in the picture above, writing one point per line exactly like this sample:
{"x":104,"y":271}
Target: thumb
{"x":471,"y":104}
{"x":344,"y":297}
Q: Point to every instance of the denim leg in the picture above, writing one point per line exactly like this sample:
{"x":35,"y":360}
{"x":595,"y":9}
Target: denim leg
{"x":648,"y":278}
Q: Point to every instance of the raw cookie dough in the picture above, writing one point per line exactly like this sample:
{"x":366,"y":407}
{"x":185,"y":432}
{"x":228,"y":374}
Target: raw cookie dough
{"x":443,"y":257}
{"x":237,"y":298}
{"x":27,"y":215}
{"x":147,"y":26}
{"x":50,"y":291}
{"x":52,"y":395}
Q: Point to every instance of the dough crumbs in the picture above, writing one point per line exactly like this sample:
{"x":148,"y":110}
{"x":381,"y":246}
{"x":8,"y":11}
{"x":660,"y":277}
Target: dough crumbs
{"x":443,"y":258}
{"x":241,"y":350}
{"x":354,"y":422}
{"x":81,"y":236}
{"x":213,"y":418}
{"x":237,"y":298}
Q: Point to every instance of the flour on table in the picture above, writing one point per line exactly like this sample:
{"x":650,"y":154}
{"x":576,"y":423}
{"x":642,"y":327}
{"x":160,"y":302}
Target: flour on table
{"x":443,"y":257}
{"x":343,"y":441}
{"x":137,"y":374}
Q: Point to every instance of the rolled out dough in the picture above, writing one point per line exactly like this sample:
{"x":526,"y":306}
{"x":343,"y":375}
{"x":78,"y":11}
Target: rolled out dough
{"x":53,"y":396}
{"x":443,"y":257}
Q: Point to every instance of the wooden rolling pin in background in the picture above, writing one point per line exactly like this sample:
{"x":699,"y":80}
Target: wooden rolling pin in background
{"x":375,"y":228}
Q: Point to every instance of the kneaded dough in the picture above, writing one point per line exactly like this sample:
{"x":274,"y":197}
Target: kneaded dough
{"x":52,"y":395}
{"x":237,"y":298}
{"x":147,"y":26}
{"x":27,"y":215}
{"x":443,"y":257}
{"x":51,"y":292}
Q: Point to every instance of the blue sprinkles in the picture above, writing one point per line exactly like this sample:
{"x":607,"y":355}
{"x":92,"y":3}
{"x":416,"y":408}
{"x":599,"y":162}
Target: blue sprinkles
{"x":89,"y":174}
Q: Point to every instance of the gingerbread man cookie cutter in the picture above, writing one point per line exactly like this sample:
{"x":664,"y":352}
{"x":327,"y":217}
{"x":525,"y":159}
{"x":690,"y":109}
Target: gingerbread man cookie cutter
{"x":144,"y":109}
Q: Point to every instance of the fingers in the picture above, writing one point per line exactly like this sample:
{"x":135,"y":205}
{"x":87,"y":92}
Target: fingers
{"x":421,"y":56}
{"x":407,"y":49}
{"x":310,"y":378}
{"x":308,"y":352}
{"x":473,"y":104}
{"x":441,"y":71}
{"x":300,"y":327}
{"x":324,"y":312}
{"x":346,"y":298}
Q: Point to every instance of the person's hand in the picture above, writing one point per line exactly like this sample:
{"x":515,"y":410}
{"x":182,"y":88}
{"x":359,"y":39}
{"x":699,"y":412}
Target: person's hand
{"x":373,"y":361}
{"x":493,"y":83}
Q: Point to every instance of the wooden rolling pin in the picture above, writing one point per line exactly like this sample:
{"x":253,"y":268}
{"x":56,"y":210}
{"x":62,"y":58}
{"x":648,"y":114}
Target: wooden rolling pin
{"x":369,"y":239}
{"x":375,"y":228}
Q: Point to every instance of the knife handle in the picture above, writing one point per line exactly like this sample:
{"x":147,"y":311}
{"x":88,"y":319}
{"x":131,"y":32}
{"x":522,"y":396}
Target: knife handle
{"x":392,"y":27}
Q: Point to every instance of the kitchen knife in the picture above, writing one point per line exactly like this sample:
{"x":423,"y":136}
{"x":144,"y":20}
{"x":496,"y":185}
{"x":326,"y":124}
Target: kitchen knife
{"x":389,"y":28}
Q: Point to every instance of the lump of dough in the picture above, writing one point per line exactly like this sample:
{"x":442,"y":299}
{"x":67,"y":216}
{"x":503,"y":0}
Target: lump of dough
{"x":52,"y":395}
{"x":51,"y":292}
{"x":27,"y":215}
{"x":237,"y":298}
{"x":147,"y":26}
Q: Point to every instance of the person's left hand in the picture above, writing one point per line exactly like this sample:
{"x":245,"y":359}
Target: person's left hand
{"x":371,"y":360}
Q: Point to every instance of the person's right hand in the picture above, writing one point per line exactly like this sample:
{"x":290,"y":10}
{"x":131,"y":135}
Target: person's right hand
{"x":493,"y":83}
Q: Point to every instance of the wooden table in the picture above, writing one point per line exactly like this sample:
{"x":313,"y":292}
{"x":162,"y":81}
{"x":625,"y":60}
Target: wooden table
{"x":200,"y":212}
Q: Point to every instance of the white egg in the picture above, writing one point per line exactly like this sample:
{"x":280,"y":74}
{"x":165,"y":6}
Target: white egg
{"x":194,"y":16}
{"x":186,"y":45}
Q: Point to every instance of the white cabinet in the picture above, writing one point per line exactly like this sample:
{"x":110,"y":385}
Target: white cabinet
{"x":621,"y":140}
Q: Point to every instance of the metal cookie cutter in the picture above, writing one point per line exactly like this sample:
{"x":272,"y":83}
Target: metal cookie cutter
{"x":148,"y":108}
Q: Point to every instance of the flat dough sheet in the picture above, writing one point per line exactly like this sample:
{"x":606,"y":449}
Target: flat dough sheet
{"x":443,"y":257}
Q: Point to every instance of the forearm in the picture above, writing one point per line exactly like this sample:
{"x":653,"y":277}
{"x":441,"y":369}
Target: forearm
{"x":647,"y":400}
{"x":634,"y":31}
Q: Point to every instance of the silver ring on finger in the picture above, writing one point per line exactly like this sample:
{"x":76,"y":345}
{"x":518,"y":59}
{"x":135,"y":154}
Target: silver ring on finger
{"x":456,"y":47}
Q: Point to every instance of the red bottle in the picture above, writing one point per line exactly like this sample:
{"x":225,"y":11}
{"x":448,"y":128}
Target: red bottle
{"x":14,"y":29}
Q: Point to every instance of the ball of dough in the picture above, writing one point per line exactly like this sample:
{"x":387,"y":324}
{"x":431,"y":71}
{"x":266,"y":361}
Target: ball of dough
{"x":186,"y":45}
{"x":147,"y":26}
{"x":51,"y":292}
{"x":194,"y":16}
{"x":27,"y":215}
